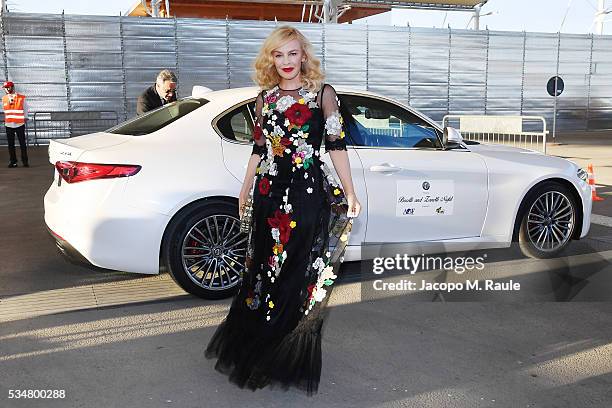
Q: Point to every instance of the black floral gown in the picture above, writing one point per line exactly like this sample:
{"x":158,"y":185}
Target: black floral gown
{"x":300,"y":228}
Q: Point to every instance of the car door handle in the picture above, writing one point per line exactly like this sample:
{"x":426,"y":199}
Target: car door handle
{"x":385,"y":168}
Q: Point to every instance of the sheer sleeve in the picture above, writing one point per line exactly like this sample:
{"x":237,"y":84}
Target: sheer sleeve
{"x":259,"y":141}
{"x":334,"y":123}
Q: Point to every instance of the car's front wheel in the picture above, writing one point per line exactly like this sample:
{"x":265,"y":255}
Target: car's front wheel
{"x":204,"y":249}
{"x":548,"y":221}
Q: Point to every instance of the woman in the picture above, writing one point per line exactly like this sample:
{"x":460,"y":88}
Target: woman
{"x":272,"y":334}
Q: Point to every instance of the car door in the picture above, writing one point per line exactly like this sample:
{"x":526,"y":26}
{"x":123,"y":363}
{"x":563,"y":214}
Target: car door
{"x":417,"y":191}
{"x":236,"y":127}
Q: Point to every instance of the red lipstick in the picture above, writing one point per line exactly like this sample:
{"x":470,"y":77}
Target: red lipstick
{"x":288,"y":69}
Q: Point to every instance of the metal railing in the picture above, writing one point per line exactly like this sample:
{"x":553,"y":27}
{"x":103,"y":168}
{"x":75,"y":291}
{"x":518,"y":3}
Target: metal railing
{"x":528,"y":132}
{"x":63,"y":124}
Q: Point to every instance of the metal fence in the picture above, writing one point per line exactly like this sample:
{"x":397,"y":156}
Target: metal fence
{"x":528,"y":132}
{"x":61,"y":125}
{"x":94,"y":63}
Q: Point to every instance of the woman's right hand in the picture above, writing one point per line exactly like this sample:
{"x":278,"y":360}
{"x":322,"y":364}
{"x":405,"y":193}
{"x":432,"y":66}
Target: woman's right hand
{"x":242,"y":199}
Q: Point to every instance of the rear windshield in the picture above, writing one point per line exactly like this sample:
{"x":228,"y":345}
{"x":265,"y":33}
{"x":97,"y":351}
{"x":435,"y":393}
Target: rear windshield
{"x":157,"y":119}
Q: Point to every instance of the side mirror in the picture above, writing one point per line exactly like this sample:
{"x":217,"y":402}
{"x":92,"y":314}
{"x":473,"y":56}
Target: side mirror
{"x":451,"y":136}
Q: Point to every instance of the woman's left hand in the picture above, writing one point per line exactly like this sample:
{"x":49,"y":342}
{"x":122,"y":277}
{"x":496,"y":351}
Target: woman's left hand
{"x":354,"y":207}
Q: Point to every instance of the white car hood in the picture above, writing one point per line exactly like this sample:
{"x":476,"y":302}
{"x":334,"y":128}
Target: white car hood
{"x":491,"y":147}
{"x":496,"y":152}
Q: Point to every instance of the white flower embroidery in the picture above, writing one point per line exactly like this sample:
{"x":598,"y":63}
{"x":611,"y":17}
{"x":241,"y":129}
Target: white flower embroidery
{"x":318,"y":264}
{"x":275,"y":234}
{"x":328,"y":273}
{"x":309,"y":190}
{"x":273,"y":169}
{"x":319,"y":294}
{"x":284,"y":103}
{"x":279,"y":131}
{"x":333,"y":126}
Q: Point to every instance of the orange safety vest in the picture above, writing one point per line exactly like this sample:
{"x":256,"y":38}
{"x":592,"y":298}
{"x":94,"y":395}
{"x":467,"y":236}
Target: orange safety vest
{"x":13,"y":112}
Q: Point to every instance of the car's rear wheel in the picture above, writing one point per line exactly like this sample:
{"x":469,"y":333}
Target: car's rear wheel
{"x":204,"y":249}
{"x":548,"y":221}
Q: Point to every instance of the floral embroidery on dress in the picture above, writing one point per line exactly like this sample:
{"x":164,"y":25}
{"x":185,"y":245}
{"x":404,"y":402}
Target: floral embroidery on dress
{"x":333,"y":124}
{"x":286,"y":132}
{"x":284,"y":103}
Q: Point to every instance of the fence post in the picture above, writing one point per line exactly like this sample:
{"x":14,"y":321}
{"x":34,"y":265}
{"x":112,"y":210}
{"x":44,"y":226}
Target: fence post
{"x":66,"y":70}
{"x":449,"y":71}
{"x":227,"y":52}
{"x":486,"y":95}
{"x":4,"y":57}
{"x":409,"y":60}
{"x":323,"y":44}
{"x":523,"y":70}
{"x":367,"y":57}
{"x":556,"y":74}
{"x":588,"y":110}
{"x":176,"y":55}
{"x":123,"y":76}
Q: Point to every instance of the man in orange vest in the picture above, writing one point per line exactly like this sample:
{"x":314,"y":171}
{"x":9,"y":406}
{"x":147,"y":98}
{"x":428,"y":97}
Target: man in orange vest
{"x":15,"y":113}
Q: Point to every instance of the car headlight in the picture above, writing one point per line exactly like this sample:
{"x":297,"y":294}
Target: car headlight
{"x":582,"y":174}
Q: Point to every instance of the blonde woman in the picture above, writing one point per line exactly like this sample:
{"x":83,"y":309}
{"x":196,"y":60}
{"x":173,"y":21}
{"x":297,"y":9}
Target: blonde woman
{"x":272,"y":334}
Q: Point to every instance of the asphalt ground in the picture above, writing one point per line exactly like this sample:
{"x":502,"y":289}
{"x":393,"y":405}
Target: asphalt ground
{"x":113,"y":339}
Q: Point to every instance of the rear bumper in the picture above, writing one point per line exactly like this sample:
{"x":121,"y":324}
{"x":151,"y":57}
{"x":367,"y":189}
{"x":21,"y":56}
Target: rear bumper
{"x":93,"y":225}
{"x":69,"y":252}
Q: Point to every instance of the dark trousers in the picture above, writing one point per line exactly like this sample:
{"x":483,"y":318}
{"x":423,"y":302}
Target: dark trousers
{"x":10,"y":136}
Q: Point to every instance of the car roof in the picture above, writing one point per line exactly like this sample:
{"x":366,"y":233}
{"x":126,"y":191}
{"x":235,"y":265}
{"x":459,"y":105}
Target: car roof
{"x":230,"y":96}
{"x":252,"y":91}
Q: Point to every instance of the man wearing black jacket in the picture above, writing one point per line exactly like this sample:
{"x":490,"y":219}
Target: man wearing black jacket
{"x":163,"y":91}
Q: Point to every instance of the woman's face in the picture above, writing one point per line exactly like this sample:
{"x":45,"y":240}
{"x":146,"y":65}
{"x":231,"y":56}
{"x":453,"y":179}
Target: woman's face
{"x":288,"y":59}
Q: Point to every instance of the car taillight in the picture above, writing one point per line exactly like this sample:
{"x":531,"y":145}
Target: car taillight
{"x":73,"y":172}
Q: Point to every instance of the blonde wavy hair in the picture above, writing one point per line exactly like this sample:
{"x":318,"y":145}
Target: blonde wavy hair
{"x":265,"y":72}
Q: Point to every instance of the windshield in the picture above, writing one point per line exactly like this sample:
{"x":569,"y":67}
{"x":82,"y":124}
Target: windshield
{"x":158,"y":118}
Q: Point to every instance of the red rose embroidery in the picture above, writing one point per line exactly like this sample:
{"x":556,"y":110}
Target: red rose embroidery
{"x":258,"y":132}
{"x":264,"y":186}
{"x":281,"y":221}
{"x":310,"y":289}
{"x":298,"y":114}
{"x":285,"y":141}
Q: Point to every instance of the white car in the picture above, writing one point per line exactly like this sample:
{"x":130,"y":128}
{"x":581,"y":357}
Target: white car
{"x":161,"y":189}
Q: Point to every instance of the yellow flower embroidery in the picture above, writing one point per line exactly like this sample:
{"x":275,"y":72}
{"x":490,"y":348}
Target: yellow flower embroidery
{"x":336,"y":191}
{"x":342,"y":134}
{"x":249,"y":301}
{"x":277,"y":148}
{"x":302,"y":101}
{"x":292,"y":224}
{"x":298,"y":160}
{"x":277,"y":249}
{"x":270,"y":304}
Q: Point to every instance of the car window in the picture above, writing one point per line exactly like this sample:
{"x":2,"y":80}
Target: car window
{"x":158,"y":118}
{"x":237,"y":123}
{"x":377,"y":123}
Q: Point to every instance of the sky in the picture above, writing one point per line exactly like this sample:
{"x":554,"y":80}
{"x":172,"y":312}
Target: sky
{"x":512,"y":15}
